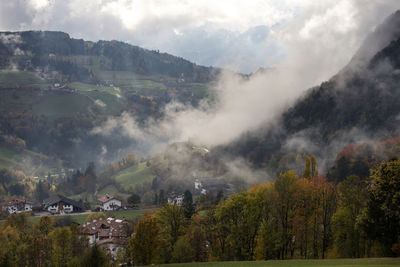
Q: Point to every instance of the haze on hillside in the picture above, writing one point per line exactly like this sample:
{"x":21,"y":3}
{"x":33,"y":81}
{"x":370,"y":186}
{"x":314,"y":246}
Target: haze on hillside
{"x":313,"y":45}
{"x":286,"y":46}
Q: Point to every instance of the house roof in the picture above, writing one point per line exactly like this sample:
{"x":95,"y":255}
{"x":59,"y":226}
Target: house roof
{"x":106,"y":198}
{"x":60,"y":198}
{"x":14,"y":201}
{"x":110,"y":227}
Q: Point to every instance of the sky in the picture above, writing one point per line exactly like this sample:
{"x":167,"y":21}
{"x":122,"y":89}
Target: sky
{"x":235,"y":34}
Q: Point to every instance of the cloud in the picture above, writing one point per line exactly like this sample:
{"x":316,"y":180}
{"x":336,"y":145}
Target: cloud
{"x":228,"y":33}
{"x":246,"y":104}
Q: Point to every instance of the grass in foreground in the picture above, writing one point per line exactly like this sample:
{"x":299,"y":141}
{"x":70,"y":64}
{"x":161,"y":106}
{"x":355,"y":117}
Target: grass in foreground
{"x":371,"y":262}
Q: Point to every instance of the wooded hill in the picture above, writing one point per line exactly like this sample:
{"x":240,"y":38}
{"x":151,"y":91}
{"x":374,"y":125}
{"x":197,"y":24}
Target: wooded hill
{"x":54,"y":89}
{"x":359,"y":103}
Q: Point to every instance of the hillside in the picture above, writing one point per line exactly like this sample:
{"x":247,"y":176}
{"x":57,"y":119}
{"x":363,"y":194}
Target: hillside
{"x":54,"y":89}
{"x":359,"y":103}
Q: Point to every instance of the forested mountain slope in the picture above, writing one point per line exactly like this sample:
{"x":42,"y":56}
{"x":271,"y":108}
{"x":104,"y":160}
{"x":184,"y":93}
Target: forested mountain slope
{"x":360,"y":103}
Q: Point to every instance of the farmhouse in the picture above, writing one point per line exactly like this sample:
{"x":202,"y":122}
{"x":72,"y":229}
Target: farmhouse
{"x":176,"y":199}
{"x":213,"y":186}
{"x":61,"y":204}
{"x":111,"y":234}
{"x":14,"y":206}
{"x":109,"y":202}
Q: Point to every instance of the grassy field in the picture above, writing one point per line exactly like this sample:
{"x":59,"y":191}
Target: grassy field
{"x":107,"y":98}
{"x":133,"y":175}
{"x":81,"y":218}
{"x":131,"y":79}
{"x":10,"y":157}
{"x":372,"y":262}
{"x":14,"y":79}
{"x":61,"y":104}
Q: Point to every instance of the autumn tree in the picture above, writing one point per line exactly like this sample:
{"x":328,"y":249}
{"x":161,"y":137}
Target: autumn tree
{"x":285,"y":188}
{"x":381,"y":217}
{"x":304,"y":209}
{"x":307,"y":168}
{"x":61,"y":246}
{"x":146,"y":243}
{"x":171,"y":219}
{"x":240,"y":215}
{"x":347,"y":234}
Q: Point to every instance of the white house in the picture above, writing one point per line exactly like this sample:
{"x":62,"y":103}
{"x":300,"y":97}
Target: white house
{"x":61,"y":204}
{"x":108,"y":203}
{"x":213,"y":186}
{"x":176,"y":199}
{"x":14,"y":206}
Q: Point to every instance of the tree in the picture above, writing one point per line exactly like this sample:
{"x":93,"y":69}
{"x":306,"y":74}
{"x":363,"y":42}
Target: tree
{"x":240,"y":215}
{"x":328,"y":205}
{"x":42,"y":191}
{"x":133,"y":199}
{"x":61,"y":246}
{"x":171,"y":219}
{"x":381,"y":217}
{"x":303,"y":212}
{"x":5,"y":178}
{"x":182,"y":251}
{"x":307,"y":169}
{"x":310,"y":169}
{"x":95,"y":257}
{"x":162,"y":199}
{"x":285,"y":188}
{"x":347,"y":235}
{"x":314,"y":169}
{"x":145,"y":245}
{"x":188,"y":205}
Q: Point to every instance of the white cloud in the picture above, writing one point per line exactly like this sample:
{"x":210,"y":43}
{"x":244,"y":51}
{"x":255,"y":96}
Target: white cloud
{"x":206,"y":31}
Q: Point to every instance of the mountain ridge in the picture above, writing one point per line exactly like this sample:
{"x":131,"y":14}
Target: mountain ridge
{"x":359,"y":103}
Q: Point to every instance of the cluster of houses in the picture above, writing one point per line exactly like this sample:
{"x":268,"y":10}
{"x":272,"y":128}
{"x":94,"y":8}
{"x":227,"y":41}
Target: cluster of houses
{"x":111,"y":234}
{"x":204,"y":186}
{"x":14,"y":206}
{"x":59,"y":204}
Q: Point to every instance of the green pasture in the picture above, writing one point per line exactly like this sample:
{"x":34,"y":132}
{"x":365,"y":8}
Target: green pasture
{"x":12,"y":79}
{"x":10,"y":157}
{"x":136,"y":174}
{"x":81,"y":218}
{"x":62,"y":104}
{"x":130,"y":79}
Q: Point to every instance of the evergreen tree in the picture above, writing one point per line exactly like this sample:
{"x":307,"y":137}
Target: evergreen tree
{"x":307,"y":170}
{"x":314,"y":169}
{"x":162,"y":198}
{"x":188,"y":205}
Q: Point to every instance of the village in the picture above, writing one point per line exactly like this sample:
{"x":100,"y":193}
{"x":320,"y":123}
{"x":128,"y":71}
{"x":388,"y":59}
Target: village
{"x":109,"y":233}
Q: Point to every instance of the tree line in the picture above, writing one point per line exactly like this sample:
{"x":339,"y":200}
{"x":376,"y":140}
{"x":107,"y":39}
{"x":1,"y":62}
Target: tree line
{"x":304,"y":217}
